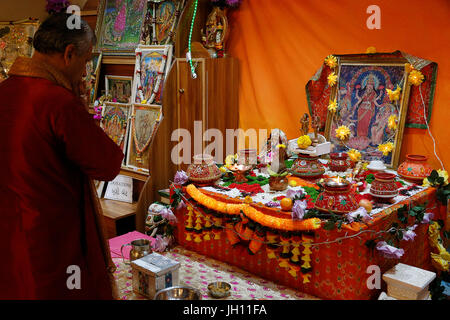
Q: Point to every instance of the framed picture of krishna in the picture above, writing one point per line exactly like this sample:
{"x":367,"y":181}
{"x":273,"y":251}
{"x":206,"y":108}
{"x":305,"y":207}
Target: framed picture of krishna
{"x":119,"y":25}
{"x":367,"y":107}
{"x":115,"y":123}
{"x":151,"y":68}
{"x":144,"y":123}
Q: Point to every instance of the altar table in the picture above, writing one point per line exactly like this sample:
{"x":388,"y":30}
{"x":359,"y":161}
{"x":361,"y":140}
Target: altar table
{"x":339,"y":269}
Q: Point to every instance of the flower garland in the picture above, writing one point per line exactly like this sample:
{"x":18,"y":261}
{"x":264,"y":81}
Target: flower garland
{"x":139,"y":150}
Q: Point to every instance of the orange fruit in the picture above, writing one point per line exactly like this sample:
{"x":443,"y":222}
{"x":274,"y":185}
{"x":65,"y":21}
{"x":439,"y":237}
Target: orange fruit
{"x":286,"y":204}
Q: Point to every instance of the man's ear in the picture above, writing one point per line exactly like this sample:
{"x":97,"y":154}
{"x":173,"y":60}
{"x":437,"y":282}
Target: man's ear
{"x":69,"y":53}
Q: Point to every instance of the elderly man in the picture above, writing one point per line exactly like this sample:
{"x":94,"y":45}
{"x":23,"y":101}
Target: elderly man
{"x":51,"y":238}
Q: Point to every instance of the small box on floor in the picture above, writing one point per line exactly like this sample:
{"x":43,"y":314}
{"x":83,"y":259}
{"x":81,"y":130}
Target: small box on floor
{"x":406,"y":282}
{"x":153,"y":273}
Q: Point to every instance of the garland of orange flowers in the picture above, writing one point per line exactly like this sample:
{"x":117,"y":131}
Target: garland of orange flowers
{"x":286,"y":224}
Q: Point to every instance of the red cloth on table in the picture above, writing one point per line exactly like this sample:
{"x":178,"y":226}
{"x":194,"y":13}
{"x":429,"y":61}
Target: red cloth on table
{"x":50,"y":146}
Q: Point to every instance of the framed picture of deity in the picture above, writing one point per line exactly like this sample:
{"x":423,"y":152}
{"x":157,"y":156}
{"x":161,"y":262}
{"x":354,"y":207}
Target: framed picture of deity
{"x":16,"y":40}
{"x":369,"y":100}
{"x":144,"y":123}
{"x":115,"y":122}
{"x":118,"y":88}
{"x":92,"y":76}
{"x":151,"y":68}
{"x":119,"y":25}
{"x":161,"y":21}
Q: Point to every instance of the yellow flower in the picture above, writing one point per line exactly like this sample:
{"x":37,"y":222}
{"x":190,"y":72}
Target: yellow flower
{"x":144,"y":101}
{"x":354,"y":155}
{"x":386,"y":148}
{"x":281,"y":146}
{"x":426,"y":183}
{"x":342,"y":132}
{"x":304,"y":142}
{"x":392,"y":122}
{"x":230,"y":160}
{"x":331,"y":61}
{"x":394,"y":95}
{"x":415,"y":77}
{"x":364,"y":166}
{"x":332,"y":106}
{"x":371,"y":50}
{"x":223,"y":169}
{"x":443,"y":174}
{"x":408,"y":67}
{"x":332,"y":79}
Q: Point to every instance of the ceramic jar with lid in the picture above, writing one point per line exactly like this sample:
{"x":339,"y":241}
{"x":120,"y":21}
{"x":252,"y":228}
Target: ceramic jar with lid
{"x":339,"y":162}
{"x":337,"y":197}
{"x":384,"y":186}
{"x":415,"y":168}
{"x":204,"y":170}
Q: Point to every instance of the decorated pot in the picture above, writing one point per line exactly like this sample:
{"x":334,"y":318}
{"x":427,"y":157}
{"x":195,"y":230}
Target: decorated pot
{"x":337,"y":197}
{"x":203,"y":170}
{"x":415,"y":168}
{"x":339,"y":162}
{"x":308,"y":167}
{"x":384,"y":186}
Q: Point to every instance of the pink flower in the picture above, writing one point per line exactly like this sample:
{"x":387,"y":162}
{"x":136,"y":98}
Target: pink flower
{"x":427,"y":217}
{"x":361,"y":213}
{"x":168,"y":215}
{"x":299,"y":209}
{"x":294,"y":194}
{"x":388,"y":251}
{"x":160,"y":244}
{"x":180,"y":177}
{"x":409,"y":234}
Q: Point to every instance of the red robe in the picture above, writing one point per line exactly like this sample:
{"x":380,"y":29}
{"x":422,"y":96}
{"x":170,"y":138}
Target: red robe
{"x":50,"y":147}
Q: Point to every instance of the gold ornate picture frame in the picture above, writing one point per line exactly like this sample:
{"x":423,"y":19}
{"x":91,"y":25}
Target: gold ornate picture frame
{"x":364,"y":106}
{"x":119,"y":88}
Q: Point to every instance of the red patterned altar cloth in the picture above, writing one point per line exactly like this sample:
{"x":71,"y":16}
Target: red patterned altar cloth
{"x":339,"y":269}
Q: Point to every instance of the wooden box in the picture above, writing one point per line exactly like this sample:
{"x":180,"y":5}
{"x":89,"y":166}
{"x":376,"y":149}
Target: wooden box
{"x":153,"y":273}
{"x":406,"y":282}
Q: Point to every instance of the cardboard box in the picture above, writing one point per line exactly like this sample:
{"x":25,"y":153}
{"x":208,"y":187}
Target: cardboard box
{"x":153,"y":273}
{"x":406,"y":282}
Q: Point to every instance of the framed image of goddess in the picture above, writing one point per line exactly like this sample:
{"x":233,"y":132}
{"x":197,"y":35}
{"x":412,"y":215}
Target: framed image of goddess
{"x":365,"y":107}
{"x":152,"y":65}
{"x":92,"y":76}
{"x":115,"y":122}
{"x":119,"y":88}
{"x":16,"y":40}
{"x":144,"y":123}
{"x":119,"y":25}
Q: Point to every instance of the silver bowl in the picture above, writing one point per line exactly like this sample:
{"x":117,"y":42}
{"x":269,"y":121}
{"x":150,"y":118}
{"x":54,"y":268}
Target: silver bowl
{"x":219,"y":289}
{"x":178,"y":293}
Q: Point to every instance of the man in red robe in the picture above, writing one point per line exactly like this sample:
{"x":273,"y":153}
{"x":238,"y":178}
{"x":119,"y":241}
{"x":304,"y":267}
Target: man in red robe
{"x":51,"y":238}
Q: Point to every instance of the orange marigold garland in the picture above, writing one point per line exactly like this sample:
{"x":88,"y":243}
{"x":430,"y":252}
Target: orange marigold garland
{"x":217,"y":227}
{"x":257,"y":241}
{"x":271,"y":247}
{"x":198,"y":228}
{"x":285,"y":254}
{"x":294,"y":262}
{"x":189,"y":227}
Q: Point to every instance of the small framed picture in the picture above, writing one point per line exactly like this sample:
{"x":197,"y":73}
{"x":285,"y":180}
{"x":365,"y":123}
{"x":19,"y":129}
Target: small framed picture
{"x":115,"y":122}
{"x":92,"y":76}
{"x":144,"y":123}
{"x":119,"y":88}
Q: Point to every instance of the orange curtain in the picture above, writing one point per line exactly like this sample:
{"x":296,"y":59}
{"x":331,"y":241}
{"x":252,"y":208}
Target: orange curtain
{"x":282,"y":43}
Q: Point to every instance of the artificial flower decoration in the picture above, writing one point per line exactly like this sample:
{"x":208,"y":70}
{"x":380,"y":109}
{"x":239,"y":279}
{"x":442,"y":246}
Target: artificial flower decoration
{"x":160,"y":243}
{"x":343,"y":132}
{"x":354,"y":155}
{"x":443,"y":174}
{"x":295,"y":194}
{"x":360,"y":213}
{"x":371,"y":50}
{"x":408,"y":67}
{"x":394,"y":95}
{"x":168,"y":215}
{"x":332,"y":79}
{"x":230,"y":159}
{"x":392,"y":122}
{"x":415,"y":77}
{"x":389,"y":251}
{"x":427,"y":217}
{"x":331,"y":61}
{"x":180,"y":177}
{"x":386,"y":148}
{"x":299,"y":209}
{"x":281,"y":146}
{"x":332,"y":106}
{"x":409,"y":234}
{"x":304,"y":142}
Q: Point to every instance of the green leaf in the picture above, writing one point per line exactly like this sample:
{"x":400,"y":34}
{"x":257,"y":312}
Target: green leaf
{"x":433,"y":176}
{"x":329,"y":225}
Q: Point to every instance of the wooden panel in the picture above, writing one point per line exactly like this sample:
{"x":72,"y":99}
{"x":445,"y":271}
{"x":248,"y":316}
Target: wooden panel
{"x":117,"y":209}
{"x":191,"y":103}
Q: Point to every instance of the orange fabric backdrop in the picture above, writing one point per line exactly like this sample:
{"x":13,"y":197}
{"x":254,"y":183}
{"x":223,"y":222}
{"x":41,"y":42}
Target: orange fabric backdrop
{"x":282,"y":43}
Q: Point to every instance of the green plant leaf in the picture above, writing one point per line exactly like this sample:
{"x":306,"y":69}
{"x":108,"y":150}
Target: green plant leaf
{"x":329,"y":225}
